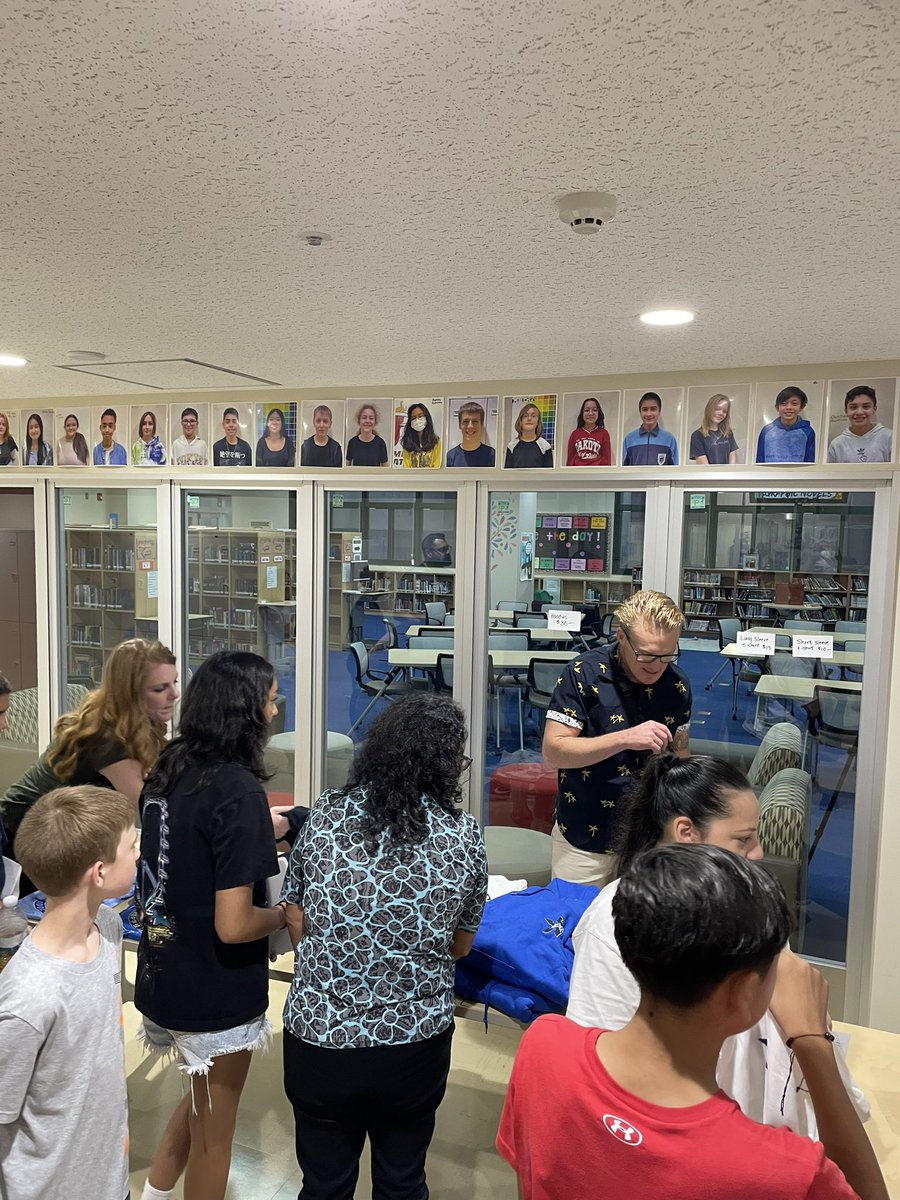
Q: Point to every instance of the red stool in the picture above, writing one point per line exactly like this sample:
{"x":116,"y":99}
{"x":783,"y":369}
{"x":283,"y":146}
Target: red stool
{"x":523,"y":794}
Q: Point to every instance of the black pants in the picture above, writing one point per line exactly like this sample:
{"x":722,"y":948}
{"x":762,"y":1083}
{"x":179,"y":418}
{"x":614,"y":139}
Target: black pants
{"x":390,"y":1093}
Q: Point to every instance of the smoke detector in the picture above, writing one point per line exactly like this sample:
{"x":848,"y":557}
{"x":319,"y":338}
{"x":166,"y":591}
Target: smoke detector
{"x":586,"y":212}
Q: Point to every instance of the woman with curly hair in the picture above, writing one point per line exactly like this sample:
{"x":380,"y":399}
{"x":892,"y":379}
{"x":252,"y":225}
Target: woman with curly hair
{"x":114,"y":736}
{"x":385,"y":888}
{"x":421,"y":443}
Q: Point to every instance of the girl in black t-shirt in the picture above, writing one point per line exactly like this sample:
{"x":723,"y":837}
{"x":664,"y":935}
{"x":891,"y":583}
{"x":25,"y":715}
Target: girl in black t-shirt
{"x":714,"y":442}
{"x":207,"y":848}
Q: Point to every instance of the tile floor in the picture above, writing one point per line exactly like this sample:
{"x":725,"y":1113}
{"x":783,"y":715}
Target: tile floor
{"x":462,"y":1162}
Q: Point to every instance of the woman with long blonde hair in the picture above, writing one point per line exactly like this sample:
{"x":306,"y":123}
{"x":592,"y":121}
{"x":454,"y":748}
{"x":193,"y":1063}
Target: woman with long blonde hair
{"x":114,"y":736}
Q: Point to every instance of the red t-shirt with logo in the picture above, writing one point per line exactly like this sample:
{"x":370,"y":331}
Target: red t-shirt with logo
{"x":571,"y":1133}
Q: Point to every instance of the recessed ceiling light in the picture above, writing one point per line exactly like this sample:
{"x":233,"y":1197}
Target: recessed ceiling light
{"x":667,"y":316}
{"x":12,"y":360}
{"x":85,"y":355}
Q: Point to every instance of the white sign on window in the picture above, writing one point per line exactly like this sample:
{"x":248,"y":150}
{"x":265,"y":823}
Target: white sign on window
{"x":564,"y":618}
{"x":813,"y":645}
{"x":755,"y":643}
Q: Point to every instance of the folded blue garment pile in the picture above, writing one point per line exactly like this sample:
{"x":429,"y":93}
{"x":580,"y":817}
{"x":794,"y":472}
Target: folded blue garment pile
{"x":521,"y":961}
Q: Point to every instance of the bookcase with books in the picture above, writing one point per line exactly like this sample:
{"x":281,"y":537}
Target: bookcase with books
{"x":231,"y":573}
{"x":767,"y":597}
{"x":111,"y":585}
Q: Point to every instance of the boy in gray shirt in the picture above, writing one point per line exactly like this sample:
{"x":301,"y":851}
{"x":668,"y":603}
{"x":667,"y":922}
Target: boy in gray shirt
{"x":63,"y":1101}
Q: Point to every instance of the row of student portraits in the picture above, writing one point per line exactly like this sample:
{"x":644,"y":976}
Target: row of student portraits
{"x":845,"y":421}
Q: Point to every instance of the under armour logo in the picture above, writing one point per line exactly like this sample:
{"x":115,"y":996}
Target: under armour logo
{"x":623,"y":1130}
{"x":557,"y":927}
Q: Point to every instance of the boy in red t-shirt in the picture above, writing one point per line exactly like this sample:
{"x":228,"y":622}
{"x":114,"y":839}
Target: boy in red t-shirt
{"x":637,"y":1113}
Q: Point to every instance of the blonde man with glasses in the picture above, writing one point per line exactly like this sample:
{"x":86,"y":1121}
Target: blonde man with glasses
{"x":612,"y":709}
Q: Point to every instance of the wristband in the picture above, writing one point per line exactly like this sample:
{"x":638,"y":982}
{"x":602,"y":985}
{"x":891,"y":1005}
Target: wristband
{"x":282,"y":904}
{"x":829,"y":1037}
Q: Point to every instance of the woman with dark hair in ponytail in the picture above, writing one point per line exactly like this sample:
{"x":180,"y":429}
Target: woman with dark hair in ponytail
{"x":699,"y":799}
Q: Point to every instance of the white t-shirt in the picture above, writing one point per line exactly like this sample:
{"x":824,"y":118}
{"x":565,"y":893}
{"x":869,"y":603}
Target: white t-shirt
{"x":753,"y":1066}
{"x":190,"y":454}
{"x":63,"y":1100}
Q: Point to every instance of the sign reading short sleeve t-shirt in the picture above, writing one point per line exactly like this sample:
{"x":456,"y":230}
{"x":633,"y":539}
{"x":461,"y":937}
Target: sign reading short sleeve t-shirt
{"x":575,"y":542}
{"x":595,"y":696}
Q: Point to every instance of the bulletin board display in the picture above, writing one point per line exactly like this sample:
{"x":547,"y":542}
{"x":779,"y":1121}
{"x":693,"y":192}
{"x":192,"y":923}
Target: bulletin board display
{"x":572,"y":543}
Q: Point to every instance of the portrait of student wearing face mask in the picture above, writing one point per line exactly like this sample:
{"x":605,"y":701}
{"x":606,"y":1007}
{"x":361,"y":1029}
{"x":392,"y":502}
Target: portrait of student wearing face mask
{"x":420,"y":442}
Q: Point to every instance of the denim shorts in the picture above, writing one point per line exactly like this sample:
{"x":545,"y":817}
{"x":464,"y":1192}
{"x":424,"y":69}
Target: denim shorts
{"x":194,"y":1052}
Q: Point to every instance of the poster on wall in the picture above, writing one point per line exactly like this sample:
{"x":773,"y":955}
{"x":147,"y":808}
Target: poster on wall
{"x":860,"y":420}
{"x":591,"y":422}
{"x":530,"y":424}
{"x":190,"y":448}
{"x":572,"y":542}
{"x":717,"y":422}
{"x":472,"y":428}
{"x":71,"y":445}
{"x":368,"y":424}
{"x":147,"y":426}
{"x":418,"y":430}
{"x":322,"y":431}
{"x":526,"y":557}
{"x":276,"y":428}
{"x":9,"y":438}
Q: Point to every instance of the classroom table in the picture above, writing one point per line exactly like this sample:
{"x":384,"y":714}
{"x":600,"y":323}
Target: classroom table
{"x":507,"y":660}
{"x":840,"y":658}
{"x":534,"y":635}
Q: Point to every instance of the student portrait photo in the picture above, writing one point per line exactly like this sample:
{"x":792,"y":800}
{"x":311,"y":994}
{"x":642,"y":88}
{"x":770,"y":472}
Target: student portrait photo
{"x":147,"y":449}
{"x":190,"y":450}
{"x":71,"y":445}
{"x":718,"y":419}
{"x":108,"y":452}
{"x":789,"y":438}
{"x":36,"y":450}
{"x":367,"y":448}
{"x":865,"y":439}
{"x":9,"y":447}
{"x":232,"y":450}
{"x":319,"y":448}
{"x":589,"y":418}
{"x":419,"y":433}
{"x":476,"y":418}
{"x":650,"y":445}
{"x":275,"y":447}
{"x":530,"y":426}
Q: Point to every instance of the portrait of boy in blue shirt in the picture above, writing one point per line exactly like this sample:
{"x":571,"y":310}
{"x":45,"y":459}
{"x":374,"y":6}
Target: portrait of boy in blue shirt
{"x":789,"y":438}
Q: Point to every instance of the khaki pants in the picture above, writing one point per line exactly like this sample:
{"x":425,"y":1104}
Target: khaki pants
{"x":579,"y":866}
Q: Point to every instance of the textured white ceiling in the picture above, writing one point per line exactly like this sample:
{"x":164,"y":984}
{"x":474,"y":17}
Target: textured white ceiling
{"x":163,"y":159}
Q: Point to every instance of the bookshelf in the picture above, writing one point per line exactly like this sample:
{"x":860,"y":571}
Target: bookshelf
{"x":750,"y":594}
{"x":111,"y":593}
{"x":605,"y":591}
{"x":230,"y":573}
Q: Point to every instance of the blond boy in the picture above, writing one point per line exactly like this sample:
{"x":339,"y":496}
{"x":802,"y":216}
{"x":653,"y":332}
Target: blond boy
{"x":63,"y":1103}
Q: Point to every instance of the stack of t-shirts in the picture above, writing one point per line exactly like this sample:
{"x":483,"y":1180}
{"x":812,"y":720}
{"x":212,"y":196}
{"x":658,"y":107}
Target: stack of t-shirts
{"x":521,"y":961}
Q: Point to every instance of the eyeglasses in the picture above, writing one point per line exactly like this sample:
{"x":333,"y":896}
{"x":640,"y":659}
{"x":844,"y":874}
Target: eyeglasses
{"x":466,"y":763}
{"x":648,"y":658}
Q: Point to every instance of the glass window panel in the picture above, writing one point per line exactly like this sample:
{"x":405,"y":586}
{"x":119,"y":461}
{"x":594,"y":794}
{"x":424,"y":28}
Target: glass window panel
{"x":18,"y":633}
{"x":767,"y":561}
{"x":387,"y":574}
{"x":110,"y":577}
{"x":581,"y":550}
{"x":240,"y":573}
